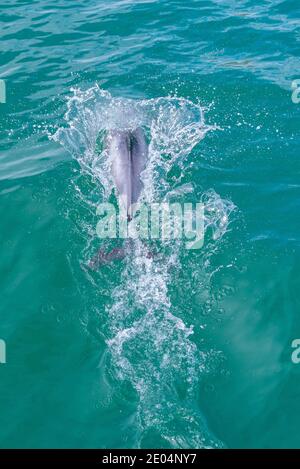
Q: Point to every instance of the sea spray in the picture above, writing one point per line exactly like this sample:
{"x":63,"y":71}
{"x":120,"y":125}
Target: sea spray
{"x":150,"y":346}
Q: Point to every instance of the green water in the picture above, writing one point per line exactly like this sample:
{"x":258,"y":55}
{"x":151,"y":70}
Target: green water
{"x":191,"y":349}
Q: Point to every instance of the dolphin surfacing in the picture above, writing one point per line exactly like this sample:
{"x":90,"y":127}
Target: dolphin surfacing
{"x":128,"y":152}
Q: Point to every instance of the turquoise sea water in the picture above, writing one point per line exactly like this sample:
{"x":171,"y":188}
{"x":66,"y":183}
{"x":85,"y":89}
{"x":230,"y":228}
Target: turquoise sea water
{"x":192,"y":348}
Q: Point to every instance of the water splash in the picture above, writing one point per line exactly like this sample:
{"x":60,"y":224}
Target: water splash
{"x":150,"y":346}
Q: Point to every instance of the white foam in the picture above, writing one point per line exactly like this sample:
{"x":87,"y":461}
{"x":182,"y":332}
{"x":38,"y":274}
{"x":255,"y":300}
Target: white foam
{"x":150,"y":346}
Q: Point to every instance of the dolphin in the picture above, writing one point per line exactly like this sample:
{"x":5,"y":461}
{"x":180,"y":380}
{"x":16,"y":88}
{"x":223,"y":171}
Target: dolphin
{"x":128,"y":152}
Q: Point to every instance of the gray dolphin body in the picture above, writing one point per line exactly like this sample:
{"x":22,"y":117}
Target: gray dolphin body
{"x":128,"y":151}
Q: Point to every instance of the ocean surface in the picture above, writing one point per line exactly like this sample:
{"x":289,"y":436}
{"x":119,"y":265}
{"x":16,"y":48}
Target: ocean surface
{"x":187,"y":348}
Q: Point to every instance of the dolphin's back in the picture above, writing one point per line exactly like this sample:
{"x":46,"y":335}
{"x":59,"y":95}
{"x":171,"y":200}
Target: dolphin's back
{"x":128,"y":152}
{"x":139,"y":153}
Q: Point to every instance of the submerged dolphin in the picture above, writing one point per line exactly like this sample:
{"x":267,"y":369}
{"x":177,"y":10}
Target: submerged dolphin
{"x":128,"y":152}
